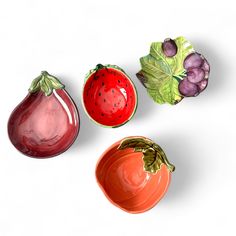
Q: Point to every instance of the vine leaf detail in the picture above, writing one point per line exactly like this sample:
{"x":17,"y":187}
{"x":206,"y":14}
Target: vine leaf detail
{"x":161,"y":75}
{"x":153,"y":155}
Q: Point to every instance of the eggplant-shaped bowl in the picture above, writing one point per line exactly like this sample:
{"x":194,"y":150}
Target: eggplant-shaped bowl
{"x":46,"y":122}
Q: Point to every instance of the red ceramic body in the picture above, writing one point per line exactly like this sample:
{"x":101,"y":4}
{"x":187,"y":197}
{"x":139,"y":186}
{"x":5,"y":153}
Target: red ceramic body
{"x":109,"y":97}
{"x":44,"y":126}
{"x":121,"y":176}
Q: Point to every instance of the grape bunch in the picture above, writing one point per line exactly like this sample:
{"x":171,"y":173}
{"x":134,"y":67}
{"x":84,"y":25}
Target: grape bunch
{"x":197,"y":70}
{"x":197,"y":73}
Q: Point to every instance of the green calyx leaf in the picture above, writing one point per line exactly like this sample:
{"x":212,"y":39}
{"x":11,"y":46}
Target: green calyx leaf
{"x":153,"y":155}
{"x":161,"y":74}
{"x":45,"y":83}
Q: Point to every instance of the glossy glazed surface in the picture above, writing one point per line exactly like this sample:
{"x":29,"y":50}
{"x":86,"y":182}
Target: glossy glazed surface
{"x":44,"y":126}
{"x":109,"y":97}
{"x":121,"y":176}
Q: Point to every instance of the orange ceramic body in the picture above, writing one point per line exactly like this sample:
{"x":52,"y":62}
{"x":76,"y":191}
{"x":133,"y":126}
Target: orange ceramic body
{"x":121,"y":176}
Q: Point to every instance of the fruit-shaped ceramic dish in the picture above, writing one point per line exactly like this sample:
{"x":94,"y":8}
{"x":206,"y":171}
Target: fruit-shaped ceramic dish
{"x":134,"y":174}
{"x":173,"y":70}
{"x":109,"y":96}
{"x":46,"y":122}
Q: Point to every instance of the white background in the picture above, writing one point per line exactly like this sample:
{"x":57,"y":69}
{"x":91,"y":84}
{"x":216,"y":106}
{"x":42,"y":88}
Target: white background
{"x":59,"y":196}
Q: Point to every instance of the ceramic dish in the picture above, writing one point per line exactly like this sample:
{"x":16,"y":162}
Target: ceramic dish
{"x":134,"y":174}
{"x":109,"y":96}
{"x":46,"y":122}
{"x":173,"y":70}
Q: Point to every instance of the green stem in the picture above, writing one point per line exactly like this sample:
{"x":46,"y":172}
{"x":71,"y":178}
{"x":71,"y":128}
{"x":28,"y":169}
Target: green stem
{"x":99,"y":66}
{"x":180,"y":76}
{"x":45,"y":83}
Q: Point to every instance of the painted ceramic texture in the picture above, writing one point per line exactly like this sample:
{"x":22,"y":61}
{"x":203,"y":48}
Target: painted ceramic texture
{"x":44,"y":126}
{"x":169,"y":75}
{"x":109,"y":96}
{"x":122,"y":178}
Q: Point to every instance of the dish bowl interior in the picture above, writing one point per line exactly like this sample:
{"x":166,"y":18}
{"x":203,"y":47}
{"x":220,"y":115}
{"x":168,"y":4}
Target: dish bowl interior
{"x":109,"y":97}
{"x":121,"y":176}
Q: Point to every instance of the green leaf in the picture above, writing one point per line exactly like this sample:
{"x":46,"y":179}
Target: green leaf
{"x":151,"y":164}
{"x":45,"y":83}
{"x":139,"y":144}
{"x":162,"y":74}
{"x":153,"y":155}
{"x":55,"y":83}
{"x":46,"y":86}
{"x":35,"y":85}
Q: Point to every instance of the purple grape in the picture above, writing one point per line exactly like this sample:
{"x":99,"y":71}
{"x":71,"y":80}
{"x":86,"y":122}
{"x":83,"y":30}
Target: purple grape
{"x":193,"y":60}
{"x":202,"y":85}
{"x":187,"y":88}
{"x":169,"y":47}
{"x":206,"y":75}
{"x":206,"y":67}
{"x":195,"y":75}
